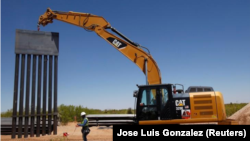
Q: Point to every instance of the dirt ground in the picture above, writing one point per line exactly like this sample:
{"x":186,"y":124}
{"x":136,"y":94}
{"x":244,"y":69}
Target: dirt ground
{"x":101,"y":133}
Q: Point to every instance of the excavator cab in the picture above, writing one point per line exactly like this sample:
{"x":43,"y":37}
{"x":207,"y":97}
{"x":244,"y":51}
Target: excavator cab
{"x":161,"y":102}
{"x":154,"y":102}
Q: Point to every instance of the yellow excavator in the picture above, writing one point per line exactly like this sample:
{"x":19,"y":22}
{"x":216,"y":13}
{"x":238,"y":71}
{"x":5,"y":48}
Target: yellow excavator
{"x":157,"y":103}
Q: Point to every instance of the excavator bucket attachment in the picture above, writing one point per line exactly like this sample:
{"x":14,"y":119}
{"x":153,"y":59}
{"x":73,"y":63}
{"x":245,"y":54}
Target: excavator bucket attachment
{"x":46,"y":18}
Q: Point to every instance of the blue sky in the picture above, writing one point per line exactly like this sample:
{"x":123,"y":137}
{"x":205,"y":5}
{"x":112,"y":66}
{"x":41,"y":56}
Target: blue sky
{"x":194,"y":42}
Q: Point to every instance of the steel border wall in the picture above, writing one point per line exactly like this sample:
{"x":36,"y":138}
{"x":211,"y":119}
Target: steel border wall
{"x":35,"y":83}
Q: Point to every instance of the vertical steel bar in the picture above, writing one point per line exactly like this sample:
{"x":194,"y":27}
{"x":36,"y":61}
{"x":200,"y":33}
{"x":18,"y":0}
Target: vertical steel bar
{"x":27,"y":100}
{"x":14,"y":114}
{"x":33,"y":97}
{"x":39,"y":96}
{"x":44,"y":93}
{"x":55,"y":95}
{"x":50,"y":94}
{"x":20,"y":121}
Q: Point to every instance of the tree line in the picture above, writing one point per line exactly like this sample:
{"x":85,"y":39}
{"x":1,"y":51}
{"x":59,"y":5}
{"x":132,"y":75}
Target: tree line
{"x":70,"y":113}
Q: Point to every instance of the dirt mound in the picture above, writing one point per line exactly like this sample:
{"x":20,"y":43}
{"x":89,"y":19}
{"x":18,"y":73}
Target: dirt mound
{"x":243,"y":115}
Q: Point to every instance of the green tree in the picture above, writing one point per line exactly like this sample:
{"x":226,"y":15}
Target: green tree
{"x":129,"y":111}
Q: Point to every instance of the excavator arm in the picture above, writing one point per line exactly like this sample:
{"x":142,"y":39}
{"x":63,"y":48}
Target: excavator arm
{"x":98,"y":24}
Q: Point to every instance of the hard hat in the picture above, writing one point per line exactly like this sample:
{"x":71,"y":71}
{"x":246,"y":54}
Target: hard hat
{"x":83,"y":113}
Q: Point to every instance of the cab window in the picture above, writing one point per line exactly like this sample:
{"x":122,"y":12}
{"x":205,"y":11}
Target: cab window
{"x":148,"y":97}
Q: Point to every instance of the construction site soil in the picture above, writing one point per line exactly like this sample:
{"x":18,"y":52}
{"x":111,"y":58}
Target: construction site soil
{"x":103,"y":133}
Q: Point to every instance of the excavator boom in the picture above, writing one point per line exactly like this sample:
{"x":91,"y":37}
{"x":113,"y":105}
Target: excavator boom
{"x":98,"y":24}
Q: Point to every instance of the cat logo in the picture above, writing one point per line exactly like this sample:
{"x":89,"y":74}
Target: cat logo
{"x":117,"y":43}
{"x":180,"y":102}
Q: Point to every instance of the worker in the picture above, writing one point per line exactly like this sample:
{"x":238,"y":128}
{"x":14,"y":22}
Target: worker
{"x":85,"y":128}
